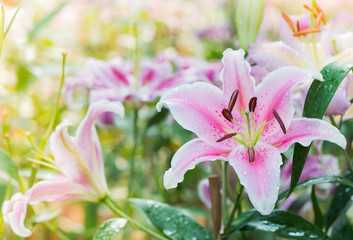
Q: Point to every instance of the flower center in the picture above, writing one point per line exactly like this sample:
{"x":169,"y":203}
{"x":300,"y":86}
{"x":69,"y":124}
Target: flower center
{"x":317,"y":17}
{"x":249,"y":134}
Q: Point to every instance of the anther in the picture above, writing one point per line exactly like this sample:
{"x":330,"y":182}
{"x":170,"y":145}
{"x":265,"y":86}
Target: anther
{"x":298,"y":26}
{"x":227,"y":114}
{"x":319,"y":10}
{"x":252,"y":104}
{"x":226,"y":137}
{"x":289,"y":21}
{"x":306,"y":31}
{"x":233,"y":100}
{"x":280,"y":122}
{"x":318,"y":20}
{"x":251,"y":154}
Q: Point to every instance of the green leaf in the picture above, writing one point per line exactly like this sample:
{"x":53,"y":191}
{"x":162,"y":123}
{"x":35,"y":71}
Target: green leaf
{"x":40,"y":24}
{"x":342,"y":229}
{"x":318,"y":180}
{"x":340,"y":202}
{"x":25,"y":77}
{"x":7,"y":165}
{"x":280,"y":223}
{"x":317,"y":100}
{"x":172,"y":222}
{"x":319,"y":218}
{"x":109,"y":229}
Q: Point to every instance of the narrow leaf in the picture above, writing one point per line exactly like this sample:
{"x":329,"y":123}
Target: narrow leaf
{"x":109,"y":229}
{"x":172,"y":222}
{"x":318,"y":180}
{"x":280,"y":223}
{"x":342,"y":229}
{"x":40,"y":24}
{"x":341,"y":201}
{"x":317,"y":100}
{"x":319,"y":218}
{"x":7,"y":165}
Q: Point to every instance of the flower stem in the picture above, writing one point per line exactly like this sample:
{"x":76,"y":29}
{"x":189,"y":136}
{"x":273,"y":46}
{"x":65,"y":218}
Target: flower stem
{"x":133,"y":154}
{"x":44,"y":140}
{"x":224,"y":192}
{"x":235,"y":207}
{"x":110,"y":204}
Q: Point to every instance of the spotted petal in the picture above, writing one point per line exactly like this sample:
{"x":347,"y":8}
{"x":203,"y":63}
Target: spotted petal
{"x":275,"y":92}
{"x":236,"y":76}
{"x":260,"y":177}
{"x":305,"y":130}
{"x":198,"y":107}
{"x":186,"y":158}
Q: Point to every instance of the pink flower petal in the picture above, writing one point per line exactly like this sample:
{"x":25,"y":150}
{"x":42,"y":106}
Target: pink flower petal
{"x":60,"y":189}
{"x":273,"y":55}
{"x":236,"y":75}
{"x":260,"y":177}
{"x":305,"y":130}
{"x":14,"y":213}
{"x":186,"y":158}
{"x":275,"y":93}
{"x":198,"y":107}
{"x":203,"y":190}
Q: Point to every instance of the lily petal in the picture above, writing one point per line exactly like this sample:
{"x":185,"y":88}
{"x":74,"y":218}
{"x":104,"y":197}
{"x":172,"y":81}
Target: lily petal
{"x":260,"y":177}
{"x":235,"y":75}
{"x":198,"y":107}
{"x":14,"y":213}
{"x":305,"y":130}
{"x":59,"y":189}
{"x":275,"y":92}
{"x":186,"y":158}
{"x":273,"y":55}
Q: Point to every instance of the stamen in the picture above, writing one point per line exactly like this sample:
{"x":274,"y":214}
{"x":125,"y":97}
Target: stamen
{"x":298,"y":26}
{"x":251,"y":154}
{"x":252,"y":104}
{"x":319,"y":10}
{"x":318,"y":20}
{"x":311,"y":10}
{"x":279,"y":120}
{"x":289,"y":21}
{"x":227,"y":114}
{"x":233,"y":100}
{"x":226,"y":137}
{"x":306,"y":31}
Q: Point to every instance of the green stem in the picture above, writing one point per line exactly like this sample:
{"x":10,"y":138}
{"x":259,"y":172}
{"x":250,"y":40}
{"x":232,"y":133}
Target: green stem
{"x":59,"y":234}
{"x":110,"y":204}
{"x":133,"y":154}
{"x":333,"y":122}
{"x":347,"y":159}
{"x":44,"y":140}
{"x":235,"y":207}
{"x":224,"y":192}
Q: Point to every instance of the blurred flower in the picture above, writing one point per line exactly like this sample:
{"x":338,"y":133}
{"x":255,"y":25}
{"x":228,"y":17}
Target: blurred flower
{"x":302,"y":46}
{"x":203,"y":189}
{"x":80,"y":162}
{"x":231,"y":126}
{"x":116,"y":79}
{"x":315,"y":166}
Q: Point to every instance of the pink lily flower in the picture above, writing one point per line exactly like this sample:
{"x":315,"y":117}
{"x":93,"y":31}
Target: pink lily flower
{"x":245,"y":125}
{"x":80,"y":162}
{"x":329,"y":44}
